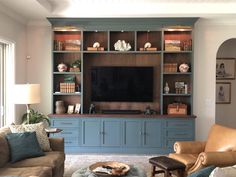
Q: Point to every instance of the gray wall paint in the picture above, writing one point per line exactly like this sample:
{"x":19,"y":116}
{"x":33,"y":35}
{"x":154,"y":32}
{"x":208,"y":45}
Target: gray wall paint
{"x":225,"y":113}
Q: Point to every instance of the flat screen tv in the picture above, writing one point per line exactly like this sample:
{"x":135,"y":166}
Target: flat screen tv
{"x":122,"y":84}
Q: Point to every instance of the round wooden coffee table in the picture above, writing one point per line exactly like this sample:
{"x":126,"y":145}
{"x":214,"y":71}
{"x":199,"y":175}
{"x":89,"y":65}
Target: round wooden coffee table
{"x":134,"y":171}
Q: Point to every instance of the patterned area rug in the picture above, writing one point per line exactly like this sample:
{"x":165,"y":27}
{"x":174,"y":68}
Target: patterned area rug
{"x":75,"y":161}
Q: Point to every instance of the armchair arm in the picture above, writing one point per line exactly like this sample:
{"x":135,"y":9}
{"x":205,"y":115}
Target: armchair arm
{"x":57,"y":144}
{"x":220,"y":159}
{"x":189,"y":147}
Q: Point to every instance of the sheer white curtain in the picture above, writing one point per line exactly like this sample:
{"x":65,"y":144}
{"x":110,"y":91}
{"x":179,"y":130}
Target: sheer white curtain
{"x":7,"y":80}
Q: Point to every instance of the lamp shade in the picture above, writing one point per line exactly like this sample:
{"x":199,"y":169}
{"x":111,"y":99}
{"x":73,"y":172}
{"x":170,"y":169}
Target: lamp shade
{"x":27,"y":94}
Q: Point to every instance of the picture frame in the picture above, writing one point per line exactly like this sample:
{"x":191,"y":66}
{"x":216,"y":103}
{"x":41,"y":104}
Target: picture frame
{"x":70,"y":109}
{"x":223,"y":92}
{"x":77,"y":108}
{"x":225,"y":68}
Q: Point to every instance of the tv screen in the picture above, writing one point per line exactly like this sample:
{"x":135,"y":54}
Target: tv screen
{"x":128,"y":84}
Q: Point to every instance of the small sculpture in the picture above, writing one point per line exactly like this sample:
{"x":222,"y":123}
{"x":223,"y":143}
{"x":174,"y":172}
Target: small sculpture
{"x":166,"y":88}
{"x":62,"y":67}
{"x":183,"y":68}
{"x":147,"y":45}
{"x":92,"y":109}
{"x":96,"y":44}
{"x":122,"y":45}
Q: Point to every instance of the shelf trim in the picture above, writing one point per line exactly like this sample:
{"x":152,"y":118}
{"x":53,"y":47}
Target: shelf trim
{"x":176,"y":94}
{"x":62,"y":73}
{"x":67,"y":94}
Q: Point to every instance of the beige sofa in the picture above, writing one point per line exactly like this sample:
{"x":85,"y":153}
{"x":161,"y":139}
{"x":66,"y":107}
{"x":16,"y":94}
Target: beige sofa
{"x":49,"y":165}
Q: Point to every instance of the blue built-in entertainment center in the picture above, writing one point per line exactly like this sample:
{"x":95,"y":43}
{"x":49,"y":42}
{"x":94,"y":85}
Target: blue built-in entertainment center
{"x":121,"y":83}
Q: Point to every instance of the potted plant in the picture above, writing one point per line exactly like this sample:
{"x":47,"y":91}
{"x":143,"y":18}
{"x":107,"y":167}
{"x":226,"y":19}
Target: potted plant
{"x":35,"y":117}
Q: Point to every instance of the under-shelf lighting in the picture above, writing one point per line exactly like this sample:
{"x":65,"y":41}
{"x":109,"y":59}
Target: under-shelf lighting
{"x":122,"y":31}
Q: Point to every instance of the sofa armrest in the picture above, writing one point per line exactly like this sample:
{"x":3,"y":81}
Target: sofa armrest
{"x":189,"y":147}
{"x":57,"y":144}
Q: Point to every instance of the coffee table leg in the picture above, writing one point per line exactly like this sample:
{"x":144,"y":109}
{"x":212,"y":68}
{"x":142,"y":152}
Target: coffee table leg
{"x":153,"y":170}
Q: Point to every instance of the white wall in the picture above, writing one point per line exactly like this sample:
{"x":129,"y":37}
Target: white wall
{"x":14,"y":31}
{"x":225,"y":113}
{"x":209,"y":35}
{"x":39,"y":66}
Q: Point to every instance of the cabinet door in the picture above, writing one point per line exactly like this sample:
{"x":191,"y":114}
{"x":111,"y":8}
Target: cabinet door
{"x":132,"y":133}
{"x":91,"y":132}
{"x":111,"y":134}
{"x":152,"y":133}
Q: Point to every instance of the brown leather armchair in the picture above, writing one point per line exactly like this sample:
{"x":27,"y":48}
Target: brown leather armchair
{"x":218,"y":150}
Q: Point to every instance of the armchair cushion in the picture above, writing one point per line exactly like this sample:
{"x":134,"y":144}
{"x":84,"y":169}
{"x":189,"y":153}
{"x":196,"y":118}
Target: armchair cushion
{"x":187,"y":159}
{"x":221,"y":138}
{"x":205,"y":172}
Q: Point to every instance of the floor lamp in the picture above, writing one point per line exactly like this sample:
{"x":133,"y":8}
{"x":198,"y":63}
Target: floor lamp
{"x":27,"y":94}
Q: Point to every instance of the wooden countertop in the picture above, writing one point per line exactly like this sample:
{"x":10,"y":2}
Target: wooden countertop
{"x":119,"y":116}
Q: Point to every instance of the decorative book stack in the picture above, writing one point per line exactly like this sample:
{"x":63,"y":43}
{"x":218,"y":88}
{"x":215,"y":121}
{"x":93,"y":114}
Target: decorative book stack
{"x":67,"y":87}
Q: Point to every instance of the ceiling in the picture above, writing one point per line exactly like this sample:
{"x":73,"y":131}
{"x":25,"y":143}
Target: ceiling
{"x":33,"y":10}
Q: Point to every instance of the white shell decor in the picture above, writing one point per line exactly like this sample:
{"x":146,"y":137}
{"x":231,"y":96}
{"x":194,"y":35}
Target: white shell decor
{"x":183,"y":68}
{"x":62,"y":67}
{"x":147,"y":45}
{"x":96,"y":44}
{"x":121,"y":45}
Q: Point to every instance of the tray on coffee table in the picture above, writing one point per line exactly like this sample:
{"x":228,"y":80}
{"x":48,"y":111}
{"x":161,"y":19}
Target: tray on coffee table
{"x":109,"y":168}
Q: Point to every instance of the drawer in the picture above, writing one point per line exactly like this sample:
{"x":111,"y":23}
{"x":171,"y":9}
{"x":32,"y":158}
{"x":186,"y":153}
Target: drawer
{"x":65,"y":123}
{"x":73,"y":141}
{"x":67,"y":132}
{"x":179,"y":134}
{"x":183,"y":124}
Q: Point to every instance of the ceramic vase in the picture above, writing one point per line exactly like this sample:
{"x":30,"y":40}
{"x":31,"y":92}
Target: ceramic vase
{"x":60,"y":108}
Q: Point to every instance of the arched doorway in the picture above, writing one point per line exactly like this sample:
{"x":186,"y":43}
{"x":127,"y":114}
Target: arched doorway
{"x":226,"y":84}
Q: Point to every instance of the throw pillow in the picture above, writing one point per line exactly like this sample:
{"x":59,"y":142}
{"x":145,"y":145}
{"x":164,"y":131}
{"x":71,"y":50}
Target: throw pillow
{"x":23,"y":145}
{"x":205,"y":172}
{"x":40,"y":133}
{"x":226,"y":171}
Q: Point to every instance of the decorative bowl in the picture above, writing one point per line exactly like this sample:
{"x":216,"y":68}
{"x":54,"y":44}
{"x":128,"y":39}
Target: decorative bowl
{"x":183,"y":68}
{"x":109,"y":168}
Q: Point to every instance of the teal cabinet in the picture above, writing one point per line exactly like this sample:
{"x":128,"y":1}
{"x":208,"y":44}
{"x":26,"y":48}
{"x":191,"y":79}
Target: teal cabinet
{"x":99,"y":132}
{"x":178,"y":130}
{"x":132,"y":133}
{"x":111,"y":134}
{"x":123,"y":135}
{"x":91,"y":132}
{"x":142,"y":133}
{"x":70,"y":130}
{"x":152,"y":133}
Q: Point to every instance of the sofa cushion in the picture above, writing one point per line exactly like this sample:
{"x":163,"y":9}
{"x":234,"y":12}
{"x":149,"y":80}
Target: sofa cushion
{"x":40,"y":132}
{"x":23,"y":145}
{"x":4,"y":150}
{"x":205,"y":172}
{"x":53,"y":159}
{"x":221,"y":139}
{"x":26,"y":172}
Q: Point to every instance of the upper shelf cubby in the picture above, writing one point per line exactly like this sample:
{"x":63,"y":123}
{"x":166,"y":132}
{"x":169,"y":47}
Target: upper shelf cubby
{"x":67,"y":41}
{"x":95,"y":41}
{"x":148,"y":41}
{"x":127,"y":37}
{"x":178,"y":40}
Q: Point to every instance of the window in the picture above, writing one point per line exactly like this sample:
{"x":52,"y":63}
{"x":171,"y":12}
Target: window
{"x":7,"y":81}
